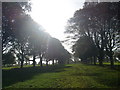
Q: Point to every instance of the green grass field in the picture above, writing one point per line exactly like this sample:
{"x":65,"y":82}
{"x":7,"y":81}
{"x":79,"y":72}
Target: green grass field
{"x":61,"y":76}
{"x":108,"y":63}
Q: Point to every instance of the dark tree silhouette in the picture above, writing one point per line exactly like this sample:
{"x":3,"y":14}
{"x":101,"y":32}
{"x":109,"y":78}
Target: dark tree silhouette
{"x":12,"y":13}
{"x":84,"y":48}
{"x":99,"y":21}
{"x":56,"y":51}
{"x":8,"y":58}
{"x":26,"y":38}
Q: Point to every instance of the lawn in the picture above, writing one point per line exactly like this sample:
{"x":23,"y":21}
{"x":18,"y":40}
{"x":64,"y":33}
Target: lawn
{"x":108,"y":63}
{"x":61,"y":76}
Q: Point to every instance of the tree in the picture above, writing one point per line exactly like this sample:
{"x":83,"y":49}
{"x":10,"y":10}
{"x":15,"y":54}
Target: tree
{"x":25,"y":35}
{"x":8,"y":58}
{"x":84,"y":48}
{"x":38,"y":43}
{"x":10,"y":12}
{"x":55,"y":51}
{"x":22,"y":32}
{"x":27,"y":38}
{"x":100,"y":22}
{"x":11,"y":35}
{"x":66,"y":57}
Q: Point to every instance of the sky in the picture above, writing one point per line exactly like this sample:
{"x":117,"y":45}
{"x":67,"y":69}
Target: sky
{"x":53,"y":15}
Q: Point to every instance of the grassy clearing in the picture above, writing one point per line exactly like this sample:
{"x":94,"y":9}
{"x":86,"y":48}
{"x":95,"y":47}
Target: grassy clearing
{"x":61,"y":76}
{"x":108,"y":63}
{"x":8,"y":68}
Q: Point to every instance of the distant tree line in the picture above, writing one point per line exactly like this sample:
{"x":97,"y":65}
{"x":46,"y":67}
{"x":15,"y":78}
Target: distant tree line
{"x":96,"y":29}
{"x":23,"y":38}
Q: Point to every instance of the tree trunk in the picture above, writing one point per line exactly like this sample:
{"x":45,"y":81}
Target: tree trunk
{"x":26,"y":62}
{"x":40,"y":60}
{"x":21,"y":66}
{"x":53,"y":62}
{"x":94,"y":60}
{"x":101,"y":62}
{"x":46,"y":63}
{"x":111,"y":60}
{"x":101,"y":57}
{"x":33,"y":60}
{"x":22,"y":60}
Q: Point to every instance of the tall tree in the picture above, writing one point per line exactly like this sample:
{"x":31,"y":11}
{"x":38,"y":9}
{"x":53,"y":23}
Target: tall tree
{"x":10,"y":12}
{"x":56,"y":51}
{"x":9,"y":29}
{"x":84,"y":48}
{"x":100,"y":22}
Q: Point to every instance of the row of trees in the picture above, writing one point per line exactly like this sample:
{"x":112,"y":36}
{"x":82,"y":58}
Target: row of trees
{"x":22,"y":36}
{"x":96,"y":29}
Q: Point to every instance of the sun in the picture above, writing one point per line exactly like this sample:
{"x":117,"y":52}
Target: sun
{"x":52,"y":15}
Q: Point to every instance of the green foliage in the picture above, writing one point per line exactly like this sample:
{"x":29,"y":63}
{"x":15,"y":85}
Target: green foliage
{"x":8,"y":58}
{"x":84,"y":48}
{"x":59,"y":53}
{"x":100,"y":22}
{"x":11,"y":11}
{"x":26,"y":37}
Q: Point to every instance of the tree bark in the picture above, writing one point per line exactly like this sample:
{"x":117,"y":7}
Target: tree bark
{"x":111,"y":60}
{"x":21,"y":66}
{"x":53,"y":62}
{"x":101,"y":57}
{"x":33,"y":60}
{"x":22,"y":60}
{"x":46,"y":63}
{"x":40,"y":60}
{"x":22,"y":55}
{"x":100,"y":62}
{"x":26,"y":62}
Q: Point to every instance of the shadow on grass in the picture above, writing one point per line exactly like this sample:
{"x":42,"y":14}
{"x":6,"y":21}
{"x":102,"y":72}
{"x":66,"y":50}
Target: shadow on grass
{"x":87,"y":74}
{"x":15,"y":75}
{"x":103,"y":75}
{"x":116,"y":67}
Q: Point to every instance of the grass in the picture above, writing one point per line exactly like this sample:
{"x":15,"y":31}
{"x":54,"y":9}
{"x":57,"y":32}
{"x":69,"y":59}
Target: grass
{"x":8,"y":68}
{"x":108,"y":63}
{"x":61,"y":76}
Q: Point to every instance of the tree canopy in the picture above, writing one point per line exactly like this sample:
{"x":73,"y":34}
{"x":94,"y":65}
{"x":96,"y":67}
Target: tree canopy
{"x":100,"y":22}
{"x":26,"y":38}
